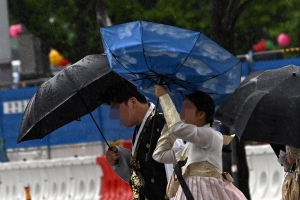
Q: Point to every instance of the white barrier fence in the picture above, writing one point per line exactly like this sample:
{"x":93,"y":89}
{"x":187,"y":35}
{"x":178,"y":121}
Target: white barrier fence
{"x":266,"y":174}
{"x":57,"y":179}
{"x":80,"y":178}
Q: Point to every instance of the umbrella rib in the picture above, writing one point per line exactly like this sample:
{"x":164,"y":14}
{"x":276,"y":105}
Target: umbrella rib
{"x":187,"y":55}
{"x":173,"y":81}
{"x":141,"y":27}
{"x":222,"y":72}
{"x":208,"y":78}
{"x":112,"y":54}
{"x":217,"y":74}
{"x":123,"y":66}
{"x":86,"y":107}
{"x":134,"y":73}
{"x":137,"y":73}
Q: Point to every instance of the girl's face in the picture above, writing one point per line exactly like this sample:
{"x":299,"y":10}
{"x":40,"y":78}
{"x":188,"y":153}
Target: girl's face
{"x":188,"y":112}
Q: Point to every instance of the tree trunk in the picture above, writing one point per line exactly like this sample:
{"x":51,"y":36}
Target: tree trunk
{"x":223,"y":17}
{"x":85,"y":8}
{"x":102,"y":18}
{"x":222,"y":26}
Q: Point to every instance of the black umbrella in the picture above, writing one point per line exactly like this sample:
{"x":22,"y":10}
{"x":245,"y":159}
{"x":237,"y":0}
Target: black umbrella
{"x":265,"y":107}
{"x":277,"y":148}
{"x":72,"y":93}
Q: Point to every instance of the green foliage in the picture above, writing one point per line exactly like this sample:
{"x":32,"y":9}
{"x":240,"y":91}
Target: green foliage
{"x":68,"y":26}
{"x":260,"y":20}
{"x":192,"y":14}
{"x":71,"y":27}
{"x":266,"y":21}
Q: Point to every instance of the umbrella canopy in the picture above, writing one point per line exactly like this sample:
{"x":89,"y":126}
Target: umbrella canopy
{"x":72,"y":93}
{"x":265,"y":107}
{"x":184,"y":61}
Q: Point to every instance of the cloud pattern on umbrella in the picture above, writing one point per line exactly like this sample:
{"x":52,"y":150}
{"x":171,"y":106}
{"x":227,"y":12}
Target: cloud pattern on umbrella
{"x":144,"y":52}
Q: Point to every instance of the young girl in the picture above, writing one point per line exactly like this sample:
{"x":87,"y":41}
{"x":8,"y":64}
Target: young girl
{"x":203,"y":149}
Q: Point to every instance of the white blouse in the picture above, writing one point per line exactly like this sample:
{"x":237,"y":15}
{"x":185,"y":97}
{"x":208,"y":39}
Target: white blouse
{"x":203,"y":144}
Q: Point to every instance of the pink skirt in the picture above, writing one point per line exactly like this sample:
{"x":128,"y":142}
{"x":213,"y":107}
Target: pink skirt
{"x":208,"y":188}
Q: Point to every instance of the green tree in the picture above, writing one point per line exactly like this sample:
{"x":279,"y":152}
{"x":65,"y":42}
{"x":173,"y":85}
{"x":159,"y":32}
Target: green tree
{"x":72,"y":26}
{"x":68,"y":26}
{"x":236,"y":24}
{"x":266,"y":21}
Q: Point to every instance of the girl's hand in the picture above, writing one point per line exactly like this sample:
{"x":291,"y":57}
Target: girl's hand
{"x":159,"y":90}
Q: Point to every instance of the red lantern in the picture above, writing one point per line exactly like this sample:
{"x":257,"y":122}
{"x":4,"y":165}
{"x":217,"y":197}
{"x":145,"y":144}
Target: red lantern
{"x":284,"y":40}
{"x":64,"y":62}
{"x":260,"y":46}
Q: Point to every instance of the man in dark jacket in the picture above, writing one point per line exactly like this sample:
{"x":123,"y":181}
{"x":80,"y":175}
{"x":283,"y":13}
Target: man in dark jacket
{"x":147,"y":178}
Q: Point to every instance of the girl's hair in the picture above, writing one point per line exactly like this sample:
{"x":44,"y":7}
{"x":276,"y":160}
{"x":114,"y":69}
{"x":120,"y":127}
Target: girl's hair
{"x":203,"y":102}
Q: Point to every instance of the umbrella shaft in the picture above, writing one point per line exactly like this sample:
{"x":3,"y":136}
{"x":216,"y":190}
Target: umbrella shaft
{"x":99,"y":129}
{"x":86,"y":107}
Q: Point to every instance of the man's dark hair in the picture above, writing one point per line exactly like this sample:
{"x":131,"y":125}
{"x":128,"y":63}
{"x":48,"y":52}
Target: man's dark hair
{"x":122,"y":92}
{"x":203,"y":102}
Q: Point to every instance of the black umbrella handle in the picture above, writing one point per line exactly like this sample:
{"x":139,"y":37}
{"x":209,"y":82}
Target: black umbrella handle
{"x":111,"y":149}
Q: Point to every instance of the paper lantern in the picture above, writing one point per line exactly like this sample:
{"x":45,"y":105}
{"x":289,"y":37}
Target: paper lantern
{"x":270,"y":44}
{"x":65,"y":62}
{"x":55,"y":58}
{"x":260,"y":46}
{"x":14,"y":30}
{"x":284,"y":40}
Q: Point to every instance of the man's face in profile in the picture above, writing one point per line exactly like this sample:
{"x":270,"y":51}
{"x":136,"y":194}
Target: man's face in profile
{"x":121,"y":112}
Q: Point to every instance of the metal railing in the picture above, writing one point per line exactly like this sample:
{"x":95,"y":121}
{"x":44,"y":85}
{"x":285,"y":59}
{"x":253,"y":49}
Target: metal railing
{"x":25,"y":83}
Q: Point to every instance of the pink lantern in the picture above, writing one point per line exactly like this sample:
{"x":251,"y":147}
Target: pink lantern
{"x":284,"y":40}
{"x":14,"y":30}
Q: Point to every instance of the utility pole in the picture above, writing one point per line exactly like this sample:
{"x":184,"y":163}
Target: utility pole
{"x":5,"y":50}
{"x":5,"y":63}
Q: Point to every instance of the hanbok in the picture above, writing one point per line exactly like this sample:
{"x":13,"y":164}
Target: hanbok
{"x":202,"y":152}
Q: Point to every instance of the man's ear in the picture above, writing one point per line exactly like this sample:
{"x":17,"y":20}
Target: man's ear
{"x":133,"y":102}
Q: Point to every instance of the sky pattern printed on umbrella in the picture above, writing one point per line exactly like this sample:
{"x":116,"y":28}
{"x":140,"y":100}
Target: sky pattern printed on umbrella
{"x":146,"y":52}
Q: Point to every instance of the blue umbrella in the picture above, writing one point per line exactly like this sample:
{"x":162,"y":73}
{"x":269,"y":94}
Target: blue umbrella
{"x":182,"y":60}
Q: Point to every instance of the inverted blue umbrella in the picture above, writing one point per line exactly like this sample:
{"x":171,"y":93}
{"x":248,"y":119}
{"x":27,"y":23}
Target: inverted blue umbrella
{"x":184,"y":61}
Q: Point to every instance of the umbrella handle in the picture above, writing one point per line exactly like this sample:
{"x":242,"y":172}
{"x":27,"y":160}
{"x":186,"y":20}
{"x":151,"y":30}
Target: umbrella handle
{"x":111,"y":149}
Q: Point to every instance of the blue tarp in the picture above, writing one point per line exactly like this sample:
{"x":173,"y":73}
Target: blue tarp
{"x":268,"y":64}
